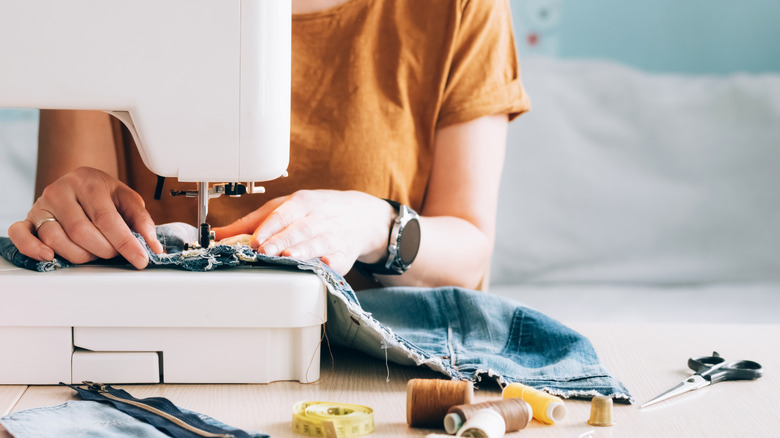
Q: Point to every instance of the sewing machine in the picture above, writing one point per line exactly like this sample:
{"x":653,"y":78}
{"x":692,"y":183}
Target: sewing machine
{"x":204,"y":88}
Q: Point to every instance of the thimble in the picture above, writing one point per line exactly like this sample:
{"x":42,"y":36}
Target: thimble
{"x":601,"y":411}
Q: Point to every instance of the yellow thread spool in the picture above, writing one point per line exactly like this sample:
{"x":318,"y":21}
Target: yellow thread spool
{"x":547,"y":408}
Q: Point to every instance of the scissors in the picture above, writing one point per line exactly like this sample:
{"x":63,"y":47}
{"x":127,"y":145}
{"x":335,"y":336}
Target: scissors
{"x":709,"y":370}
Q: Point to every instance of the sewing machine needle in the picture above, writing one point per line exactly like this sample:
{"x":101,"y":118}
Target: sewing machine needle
{"x":203,"y":211}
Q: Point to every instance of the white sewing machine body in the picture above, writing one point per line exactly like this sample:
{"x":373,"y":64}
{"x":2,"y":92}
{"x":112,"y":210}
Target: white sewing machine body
{"x":204,"y":88}
{"x":120,"y":325}
{"x":203,"y":85}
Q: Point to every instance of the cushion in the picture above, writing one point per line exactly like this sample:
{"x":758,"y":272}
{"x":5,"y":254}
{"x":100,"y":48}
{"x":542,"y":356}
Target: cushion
{"x":617,"y":175}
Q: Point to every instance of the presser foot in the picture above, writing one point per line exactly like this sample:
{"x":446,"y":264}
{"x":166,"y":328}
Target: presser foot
{"x":204,"y":193}
{"x":206,"y":238}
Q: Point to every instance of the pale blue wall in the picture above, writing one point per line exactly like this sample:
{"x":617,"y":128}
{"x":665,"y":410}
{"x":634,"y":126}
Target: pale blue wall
{"x":688,"y":36}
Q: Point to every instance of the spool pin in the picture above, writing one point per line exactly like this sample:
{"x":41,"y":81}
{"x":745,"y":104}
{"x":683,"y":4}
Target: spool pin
{"x":546,"y":408}
{"x":428,"y":400}
{"x":601,"y":411}
{"x":516,"y":412}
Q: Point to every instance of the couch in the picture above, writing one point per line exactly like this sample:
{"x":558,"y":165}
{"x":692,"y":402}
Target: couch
{"x":629,"y":196}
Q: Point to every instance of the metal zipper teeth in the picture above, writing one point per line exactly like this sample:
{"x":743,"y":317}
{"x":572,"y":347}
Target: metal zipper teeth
{"x":177,"y":421}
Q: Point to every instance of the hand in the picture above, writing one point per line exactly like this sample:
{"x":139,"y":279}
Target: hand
{"x":337,"y":226}
{"x":93,"y":214}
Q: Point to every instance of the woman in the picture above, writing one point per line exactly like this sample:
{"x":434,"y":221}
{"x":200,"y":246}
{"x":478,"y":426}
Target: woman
{"x":391,"y":99}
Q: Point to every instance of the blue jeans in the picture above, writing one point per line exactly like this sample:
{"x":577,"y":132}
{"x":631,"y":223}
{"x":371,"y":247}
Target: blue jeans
{"x":462,"y":333}
{"x":469,"y":335}
{"x":90,"y":419}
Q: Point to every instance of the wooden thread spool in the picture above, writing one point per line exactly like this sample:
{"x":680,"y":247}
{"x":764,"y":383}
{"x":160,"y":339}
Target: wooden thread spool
{"x":517,"y":413}
{"x":428,"y":400}
{"x":547,"y":408}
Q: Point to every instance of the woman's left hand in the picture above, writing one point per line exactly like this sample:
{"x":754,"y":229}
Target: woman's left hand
{"x":339,"y":227}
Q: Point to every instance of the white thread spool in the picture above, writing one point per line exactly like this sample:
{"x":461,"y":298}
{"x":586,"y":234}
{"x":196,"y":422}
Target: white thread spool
{"x":486,"y":423}
{"x":516,"y":412}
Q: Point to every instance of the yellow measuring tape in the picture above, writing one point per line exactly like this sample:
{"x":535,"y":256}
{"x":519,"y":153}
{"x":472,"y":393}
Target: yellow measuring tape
{"x":327,"y":419}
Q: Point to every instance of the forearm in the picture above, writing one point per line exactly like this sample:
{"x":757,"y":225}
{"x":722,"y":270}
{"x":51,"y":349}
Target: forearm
{"x":459,"y":214}
{"x":71,"y":139}
{"x":453,"y":252}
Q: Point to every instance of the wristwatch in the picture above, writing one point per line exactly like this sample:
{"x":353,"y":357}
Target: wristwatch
{"x":402,"y":244}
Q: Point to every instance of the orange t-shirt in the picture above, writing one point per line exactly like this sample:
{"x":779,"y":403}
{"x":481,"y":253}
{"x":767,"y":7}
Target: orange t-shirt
{"x":372,"y":80}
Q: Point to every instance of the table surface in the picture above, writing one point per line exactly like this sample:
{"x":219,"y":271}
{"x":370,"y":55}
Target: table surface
{"x":647,"y":358}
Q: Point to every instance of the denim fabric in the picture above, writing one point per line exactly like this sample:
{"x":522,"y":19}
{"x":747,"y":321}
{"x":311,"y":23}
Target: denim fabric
{"x":199,"y":421}
{"x":89,"y":419}
{"x":77,"y":419}
{"x":9,"y":252}
{"x":480,"y":334}
{"x":462,"y":333}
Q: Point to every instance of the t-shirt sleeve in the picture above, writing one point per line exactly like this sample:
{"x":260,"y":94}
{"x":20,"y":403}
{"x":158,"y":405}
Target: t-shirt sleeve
{"x":484,"y":76}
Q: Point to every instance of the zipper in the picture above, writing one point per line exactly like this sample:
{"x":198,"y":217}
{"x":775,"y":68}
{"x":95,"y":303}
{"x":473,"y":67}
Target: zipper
{"x":103,"y":391}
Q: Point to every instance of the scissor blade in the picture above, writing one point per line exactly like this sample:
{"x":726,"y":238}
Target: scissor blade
{"x":689,"y":384}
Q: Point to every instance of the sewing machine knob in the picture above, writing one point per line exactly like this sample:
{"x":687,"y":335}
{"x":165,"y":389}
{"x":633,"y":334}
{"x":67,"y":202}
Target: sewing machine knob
{"x":235,"y":189}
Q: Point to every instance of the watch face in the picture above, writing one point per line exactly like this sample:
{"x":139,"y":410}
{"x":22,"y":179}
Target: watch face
{"x":409,"y":241}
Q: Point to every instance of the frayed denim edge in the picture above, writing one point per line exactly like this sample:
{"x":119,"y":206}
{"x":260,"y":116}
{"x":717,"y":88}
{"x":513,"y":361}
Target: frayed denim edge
{"x":619,"y":392}
{"x":392,"y":341}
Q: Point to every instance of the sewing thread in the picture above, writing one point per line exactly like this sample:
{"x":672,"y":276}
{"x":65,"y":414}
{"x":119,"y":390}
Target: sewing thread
{"x":324,"y":419}
{"x":485,"y":423}
{"x":546,"y":408}
{"x":516,"y":412}
{"x":427,"y":400}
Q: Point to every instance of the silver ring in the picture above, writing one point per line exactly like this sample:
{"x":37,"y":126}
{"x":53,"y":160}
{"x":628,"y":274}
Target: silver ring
{"x":43,"y":221}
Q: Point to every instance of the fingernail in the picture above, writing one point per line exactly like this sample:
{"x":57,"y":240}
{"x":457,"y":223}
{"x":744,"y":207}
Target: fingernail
{"x":46,"y":254}
{"x":270,"y":250}
{"x":139,"y":261}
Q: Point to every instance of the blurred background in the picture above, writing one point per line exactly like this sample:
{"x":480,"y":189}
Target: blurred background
{"x":645,"y":181}
{"x":646,"y":176}
{"x":672,"y":36}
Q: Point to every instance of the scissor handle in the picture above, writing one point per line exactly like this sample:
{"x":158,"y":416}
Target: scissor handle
{"x":713,"y":369}
{"x":699,"y":363}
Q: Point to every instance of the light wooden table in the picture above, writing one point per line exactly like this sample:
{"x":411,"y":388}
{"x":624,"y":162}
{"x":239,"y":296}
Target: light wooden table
{"x":648,"y":359}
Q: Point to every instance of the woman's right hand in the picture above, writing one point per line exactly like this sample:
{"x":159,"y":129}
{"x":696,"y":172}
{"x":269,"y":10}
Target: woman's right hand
{"x":85,"y":215}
